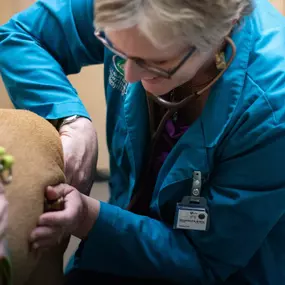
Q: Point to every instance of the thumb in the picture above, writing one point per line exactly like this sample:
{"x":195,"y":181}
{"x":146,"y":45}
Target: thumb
{"x":54,"y":193}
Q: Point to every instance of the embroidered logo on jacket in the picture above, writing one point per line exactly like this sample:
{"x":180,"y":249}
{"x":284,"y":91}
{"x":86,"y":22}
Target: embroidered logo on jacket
{"x":116,"y":75}
{"x":119,"y":64}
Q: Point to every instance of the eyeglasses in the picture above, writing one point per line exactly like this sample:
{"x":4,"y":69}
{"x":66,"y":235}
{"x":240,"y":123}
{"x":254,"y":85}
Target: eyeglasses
{"x":101,"y":36}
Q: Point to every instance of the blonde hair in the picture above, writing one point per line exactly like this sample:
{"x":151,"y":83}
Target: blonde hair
{"x":202,"y":23}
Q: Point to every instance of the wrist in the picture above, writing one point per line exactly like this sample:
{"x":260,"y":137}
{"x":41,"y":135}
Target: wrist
{"x":58,"y":123}
{"x":90,"y":213}
{"x":67,"y":120}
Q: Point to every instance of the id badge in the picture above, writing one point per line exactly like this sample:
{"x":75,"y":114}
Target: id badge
{"x":192,"y":216}
{"x":192,"y":213}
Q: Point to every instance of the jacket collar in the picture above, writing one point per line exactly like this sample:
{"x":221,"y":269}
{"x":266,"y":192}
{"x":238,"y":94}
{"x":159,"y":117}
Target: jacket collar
{"x":225,"y":95}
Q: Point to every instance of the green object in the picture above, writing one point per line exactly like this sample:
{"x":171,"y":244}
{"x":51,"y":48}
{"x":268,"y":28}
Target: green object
{"x":7,"y":161}
{"x":2,"y":151}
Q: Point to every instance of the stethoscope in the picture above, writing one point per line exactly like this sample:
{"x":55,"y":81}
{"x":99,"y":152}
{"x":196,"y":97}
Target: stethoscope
{"x":172,"y":108}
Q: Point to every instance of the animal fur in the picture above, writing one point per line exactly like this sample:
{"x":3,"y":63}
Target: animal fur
{"x":36,"y":147}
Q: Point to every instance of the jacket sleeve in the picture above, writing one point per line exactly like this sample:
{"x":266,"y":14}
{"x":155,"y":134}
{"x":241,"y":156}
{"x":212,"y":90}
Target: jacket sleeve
{"x":39,"y":47}
{"x":246,"y":200}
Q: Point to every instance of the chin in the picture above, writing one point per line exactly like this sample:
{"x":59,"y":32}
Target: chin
{"x":157,"y":89}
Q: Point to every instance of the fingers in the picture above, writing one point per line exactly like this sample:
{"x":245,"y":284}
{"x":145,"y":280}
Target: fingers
{"x":56,"y":218}
{"x":53,"y":225}
{"x":79,"y":143}
{"x":72,"y":208}
{"x":43,"y":232}
{"x":58,"y":191}
{"x":54,"y":193}
{"x":44,"y":244}
{"x":44,"y":237}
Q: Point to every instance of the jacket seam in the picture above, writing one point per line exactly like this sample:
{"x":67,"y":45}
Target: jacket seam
{"x":265,"y":97}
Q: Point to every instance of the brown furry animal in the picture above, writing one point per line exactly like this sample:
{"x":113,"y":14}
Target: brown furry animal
{"x":36,"y":147}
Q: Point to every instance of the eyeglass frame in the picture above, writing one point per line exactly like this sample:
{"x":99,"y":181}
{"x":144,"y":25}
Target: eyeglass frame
{"x":101,"y":36}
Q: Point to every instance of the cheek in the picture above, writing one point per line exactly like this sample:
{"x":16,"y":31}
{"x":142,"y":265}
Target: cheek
{"x":191,"y":68}
{"x":183,"y":75}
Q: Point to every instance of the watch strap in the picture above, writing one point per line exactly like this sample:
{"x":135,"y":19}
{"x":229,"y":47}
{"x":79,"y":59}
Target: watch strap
{"x":65,"y":121}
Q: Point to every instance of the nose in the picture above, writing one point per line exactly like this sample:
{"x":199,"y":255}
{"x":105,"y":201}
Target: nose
{"x":133,"y":72}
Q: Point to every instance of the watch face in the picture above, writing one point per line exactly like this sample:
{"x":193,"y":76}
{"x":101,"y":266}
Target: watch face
{"x":69,"y":120}
{"x":72,"y":118}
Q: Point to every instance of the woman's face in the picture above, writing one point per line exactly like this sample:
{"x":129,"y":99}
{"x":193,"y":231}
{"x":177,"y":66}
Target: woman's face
{"x":134,"y":44}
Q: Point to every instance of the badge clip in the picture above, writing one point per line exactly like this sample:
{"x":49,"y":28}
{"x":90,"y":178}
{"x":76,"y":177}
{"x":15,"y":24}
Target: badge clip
{"x":192,"y":212}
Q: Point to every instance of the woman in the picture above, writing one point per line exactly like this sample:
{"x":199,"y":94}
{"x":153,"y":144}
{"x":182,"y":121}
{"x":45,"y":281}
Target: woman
{"x":195,"y":131}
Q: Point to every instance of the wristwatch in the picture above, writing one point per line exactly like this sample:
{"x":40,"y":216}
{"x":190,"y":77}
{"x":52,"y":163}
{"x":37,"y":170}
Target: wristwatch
{"x":67,"y":120}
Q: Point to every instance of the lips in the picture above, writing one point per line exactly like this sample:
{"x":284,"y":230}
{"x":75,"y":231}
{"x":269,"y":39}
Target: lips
{"x":152,"y":80}
{"x":149,"y":78}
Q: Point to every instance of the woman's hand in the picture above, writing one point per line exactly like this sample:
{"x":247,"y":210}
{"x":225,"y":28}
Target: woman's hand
{"x":54,"y":226}
{"x":80,"y":147}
